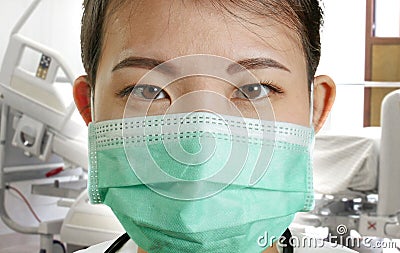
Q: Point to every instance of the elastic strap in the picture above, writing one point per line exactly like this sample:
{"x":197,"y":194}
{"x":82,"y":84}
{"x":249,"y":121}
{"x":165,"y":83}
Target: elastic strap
{"x":311,"y":103}
{"x":92,"y":102}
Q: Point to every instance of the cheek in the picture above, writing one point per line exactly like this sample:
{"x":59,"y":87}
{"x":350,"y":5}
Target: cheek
{"x":295,"y":108}
{"x":105,"y":107}
{"x":139,"y":108}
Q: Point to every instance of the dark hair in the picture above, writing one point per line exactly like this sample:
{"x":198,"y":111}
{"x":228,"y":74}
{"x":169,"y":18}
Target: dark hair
{"x":302,"y":16}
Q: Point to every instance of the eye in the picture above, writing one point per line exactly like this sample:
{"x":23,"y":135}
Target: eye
{"x":255,"y":91}
{"x":143,"y":91}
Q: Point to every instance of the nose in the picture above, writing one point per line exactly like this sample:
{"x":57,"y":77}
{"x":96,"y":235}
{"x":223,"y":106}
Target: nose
{"x":202,"y":94}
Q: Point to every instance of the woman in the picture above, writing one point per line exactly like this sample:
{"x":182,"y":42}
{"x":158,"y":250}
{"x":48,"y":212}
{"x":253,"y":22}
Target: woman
{"x":202,"y":117}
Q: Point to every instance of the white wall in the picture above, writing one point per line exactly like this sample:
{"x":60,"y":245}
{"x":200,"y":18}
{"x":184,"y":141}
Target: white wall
{"x":387,"y":18}
{"x":343,"y":56}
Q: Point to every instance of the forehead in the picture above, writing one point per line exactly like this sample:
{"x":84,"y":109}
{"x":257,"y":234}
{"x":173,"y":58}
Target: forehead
{"x":168,"y":29}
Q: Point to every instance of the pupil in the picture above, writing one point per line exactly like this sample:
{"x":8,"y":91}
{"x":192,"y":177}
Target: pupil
{"x":253,"y":88}
{"x":150,"y":92}
{"x":253,"y":91}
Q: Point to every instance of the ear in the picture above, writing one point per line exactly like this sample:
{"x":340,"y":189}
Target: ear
{"x":82,"y":92}
{"x":324,"y":96}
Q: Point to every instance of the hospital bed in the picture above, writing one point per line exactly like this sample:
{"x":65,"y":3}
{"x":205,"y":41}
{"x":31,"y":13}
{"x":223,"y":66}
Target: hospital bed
{"x":39,"y":118}
{"x":356,"y":178}
{"x":40,"y":132}
{"x":351,"y":169}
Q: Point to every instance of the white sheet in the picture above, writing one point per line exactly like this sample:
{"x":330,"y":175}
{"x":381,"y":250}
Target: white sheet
{"x":345,"y":161}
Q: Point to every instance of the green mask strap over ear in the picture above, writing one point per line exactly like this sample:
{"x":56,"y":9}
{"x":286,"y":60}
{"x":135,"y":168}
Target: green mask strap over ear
{"x":311,"y":104}
{"x":92,"y":102}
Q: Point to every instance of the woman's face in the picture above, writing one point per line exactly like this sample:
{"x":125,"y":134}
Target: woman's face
{"x":139,"y":37}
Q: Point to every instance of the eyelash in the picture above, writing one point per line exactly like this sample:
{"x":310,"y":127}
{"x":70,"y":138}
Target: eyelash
{"x":125,"y":91}
{"x":270,"y":84}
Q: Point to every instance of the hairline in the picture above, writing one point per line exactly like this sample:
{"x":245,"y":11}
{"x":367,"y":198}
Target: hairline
{"x":112,"y":6}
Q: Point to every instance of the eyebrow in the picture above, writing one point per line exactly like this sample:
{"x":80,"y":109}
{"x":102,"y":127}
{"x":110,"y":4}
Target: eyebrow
{"x":242,"y":65}
{"x":144,"y":63}
{"x":256,"y":63}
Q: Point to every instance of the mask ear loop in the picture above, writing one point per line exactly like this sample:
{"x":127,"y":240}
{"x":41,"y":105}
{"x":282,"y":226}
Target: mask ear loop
{"x":311,"y":104}
{"x":92,"y":103}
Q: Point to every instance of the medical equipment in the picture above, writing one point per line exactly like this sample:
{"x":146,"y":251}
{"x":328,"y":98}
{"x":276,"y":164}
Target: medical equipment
{"x":118,"y":244}
{"x":352,"y":193}
{"x":86,"y":225}
{"x":37,"y":118}
{"x":387,"y":217}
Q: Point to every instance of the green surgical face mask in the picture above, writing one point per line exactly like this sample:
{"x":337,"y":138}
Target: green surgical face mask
{"x":201,"y":182}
